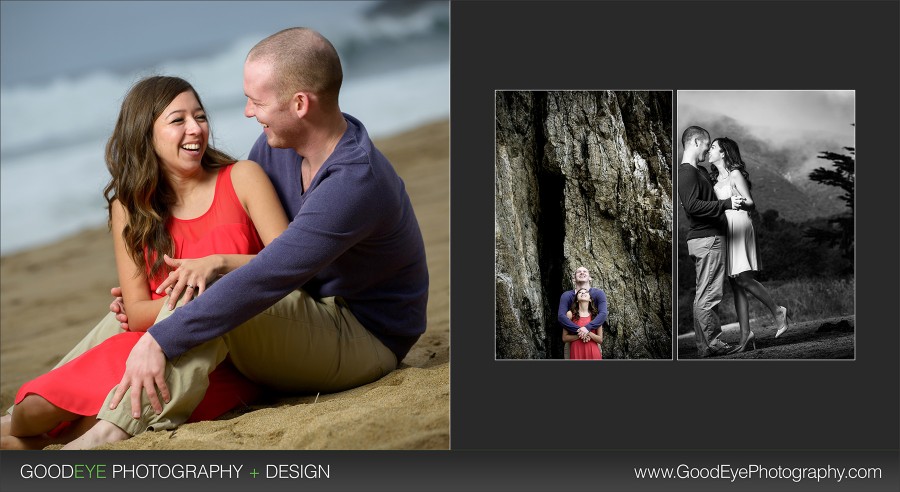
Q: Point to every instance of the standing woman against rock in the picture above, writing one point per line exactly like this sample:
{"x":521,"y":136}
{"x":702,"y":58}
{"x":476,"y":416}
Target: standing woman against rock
{"x":732,"y":179}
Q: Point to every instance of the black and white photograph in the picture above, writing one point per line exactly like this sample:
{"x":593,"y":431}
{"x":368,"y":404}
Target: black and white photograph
{"x":766,"y":224}
{"x":583,"y":225}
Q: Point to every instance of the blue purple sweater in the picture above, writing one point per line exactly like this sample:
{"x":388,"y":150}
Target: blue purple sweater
{"x":565,"y":302}
{"x":353,"y":235}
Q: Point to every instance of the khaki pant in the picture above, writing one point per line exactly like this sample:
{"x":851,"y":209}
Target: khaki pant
{"x":708,"y":254}
{"x":300,"y":344}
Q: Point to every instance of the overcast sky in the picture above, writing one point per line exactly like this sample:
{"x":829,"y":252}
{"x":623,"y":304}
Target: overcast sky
{"x":45,"y":39}
{"x":778,"y":117}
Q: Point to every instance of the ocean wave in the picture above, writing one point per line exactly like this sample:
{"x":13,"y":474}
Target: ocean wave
{"x":53,"y":133}
{"x":68,"y":110}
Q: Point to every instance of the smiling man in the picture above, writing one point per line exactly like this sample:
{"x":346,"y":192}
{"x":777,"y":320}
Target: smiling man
{"x":581,"y":279}
{"x":335,"y":302}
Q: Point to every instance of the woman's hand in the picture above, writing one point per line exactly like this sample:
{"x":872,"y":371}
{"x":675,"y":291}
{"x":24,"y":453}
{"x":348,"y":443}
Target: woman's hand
{"x":117,"y":307}
{"x":584,"y":335}
{"x":190,"y":276}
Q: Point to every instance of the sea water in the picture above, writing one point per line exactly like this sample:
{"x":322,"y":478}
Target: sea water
{"x":53,"y":129}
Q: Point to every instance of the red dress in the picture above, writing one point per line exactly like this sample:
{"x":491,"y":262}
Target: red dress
{"x":584,"y":350}
{"x":82,"y":384}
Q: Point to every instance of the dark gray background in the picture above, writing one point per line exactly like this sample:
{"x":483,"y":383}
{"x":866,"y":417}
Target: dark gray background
{"x":646,"y":413}
{"x":667,"y":404}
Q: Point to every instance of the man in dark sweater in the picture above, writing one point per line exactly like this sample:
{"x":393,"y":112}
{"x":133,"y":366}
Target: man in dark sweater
{"x":335,"y":302}
{"x":581,"y":279}
{"x":705,"y":238}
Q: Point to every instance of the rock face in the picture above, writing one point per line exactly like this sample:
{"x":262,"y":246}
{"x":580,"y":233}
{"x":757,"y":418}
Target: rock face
{"x":583,"y":178}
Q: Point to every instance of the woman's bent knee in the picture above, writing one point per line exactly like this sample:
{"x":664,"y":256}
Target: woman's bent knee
{"x":744,"y":279}
{"x":31,"y":405}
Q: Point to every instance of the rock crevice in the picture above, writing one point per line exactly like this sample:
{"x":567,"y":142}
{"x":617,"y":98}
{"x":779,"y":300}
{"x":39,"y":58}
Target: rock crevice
{"x":583,"y":178}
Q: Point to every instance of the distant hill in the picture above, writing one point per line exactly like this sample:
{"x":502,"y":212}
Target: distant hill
{"x":780,"y":176}
{"x":772,"y":191}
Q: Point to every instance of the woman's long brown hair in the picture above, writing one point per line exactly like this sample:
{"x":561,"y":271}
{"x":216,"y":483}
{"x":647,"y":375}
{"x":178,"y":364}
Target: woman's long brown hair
{"x":732,"y":154}
{"x":137,"y":181}
{"x":574,"y":308}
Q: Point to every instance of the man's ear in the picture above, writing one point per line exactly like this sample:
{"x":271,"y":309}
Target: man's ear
{"x":300,"y":103}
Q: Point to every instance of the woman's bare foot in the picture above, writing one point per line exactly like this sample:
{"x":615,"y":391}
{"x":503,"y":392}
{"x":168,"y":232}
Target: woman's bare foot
{"x":102,"y":432}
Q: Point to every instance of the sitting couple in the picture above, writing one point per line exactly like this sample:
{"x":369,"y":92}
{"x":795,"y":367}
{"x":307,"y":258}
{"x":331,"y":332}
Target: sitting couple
{"x":330,"y":300}
{"x":582,"y":313}
{"x":721,"y":239}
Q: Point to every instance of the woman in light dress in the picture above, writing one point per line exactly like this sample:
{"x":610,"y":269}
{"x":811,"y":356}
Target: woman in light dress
{"x":730,"y":178}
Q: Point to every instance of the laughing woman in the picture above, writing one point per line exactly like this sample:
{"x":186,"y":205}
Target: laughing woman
{"x":171,"y":195}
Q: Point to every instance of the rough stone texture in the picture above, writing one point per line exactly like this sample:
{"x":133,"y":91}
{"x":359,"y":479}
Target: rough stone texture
{"x":583,"y":178}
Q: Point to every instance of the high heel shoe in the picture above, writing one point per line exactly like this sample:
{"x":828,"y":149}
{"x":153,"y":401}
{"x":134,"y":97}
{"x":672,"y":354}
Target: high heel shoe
{"x":743,"y":347}
{"x":784,"y":321}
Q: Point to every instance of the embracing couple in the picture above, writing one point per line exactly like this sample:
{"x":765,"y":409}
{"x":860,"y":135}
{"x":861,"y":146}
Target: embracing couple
{"x":721,"y":239}
{"x":582,"y":313}
{"x":329,"y":300}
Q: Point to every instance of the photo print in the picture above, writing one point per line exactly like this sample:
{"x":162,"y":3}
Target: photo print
{"x":583,"y":200}
{"x":766,"y":224}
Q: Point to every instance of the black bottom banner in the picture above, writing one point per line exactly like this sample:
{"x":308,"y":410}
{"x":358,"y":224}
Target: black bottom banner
{"x":495,"y":470}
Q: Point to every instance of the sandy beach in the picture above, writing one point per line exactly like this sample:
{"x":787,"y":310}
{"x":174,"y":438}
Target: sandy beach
{"x":50,"y":296}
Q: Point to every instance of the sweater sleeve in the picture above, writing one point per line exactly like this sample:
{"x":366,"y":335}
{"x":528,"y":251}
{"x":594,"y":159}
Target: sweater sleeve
{"x":599,"y":298}
{"x":335,"y":216}
{"x":689,"y":193}
{"x":565,"y":300}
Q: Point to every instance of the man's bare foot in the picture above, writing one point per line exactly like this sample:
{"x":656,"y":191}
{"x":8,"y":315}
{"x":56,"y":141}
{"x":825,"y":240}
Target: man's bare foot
{"x":102,"y":433}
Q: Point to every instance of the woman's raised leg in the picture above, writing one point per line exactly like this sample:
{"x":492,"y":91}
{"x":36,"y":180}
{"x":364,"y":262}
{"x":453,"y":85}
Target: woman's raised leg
{"x":749,"y":284}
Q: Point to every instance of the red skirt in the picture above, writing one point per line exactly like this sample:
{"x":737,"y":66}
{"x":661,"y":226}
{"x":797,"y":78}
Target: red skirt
{"x":585,"y":350}
{"x":81,"y":385}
